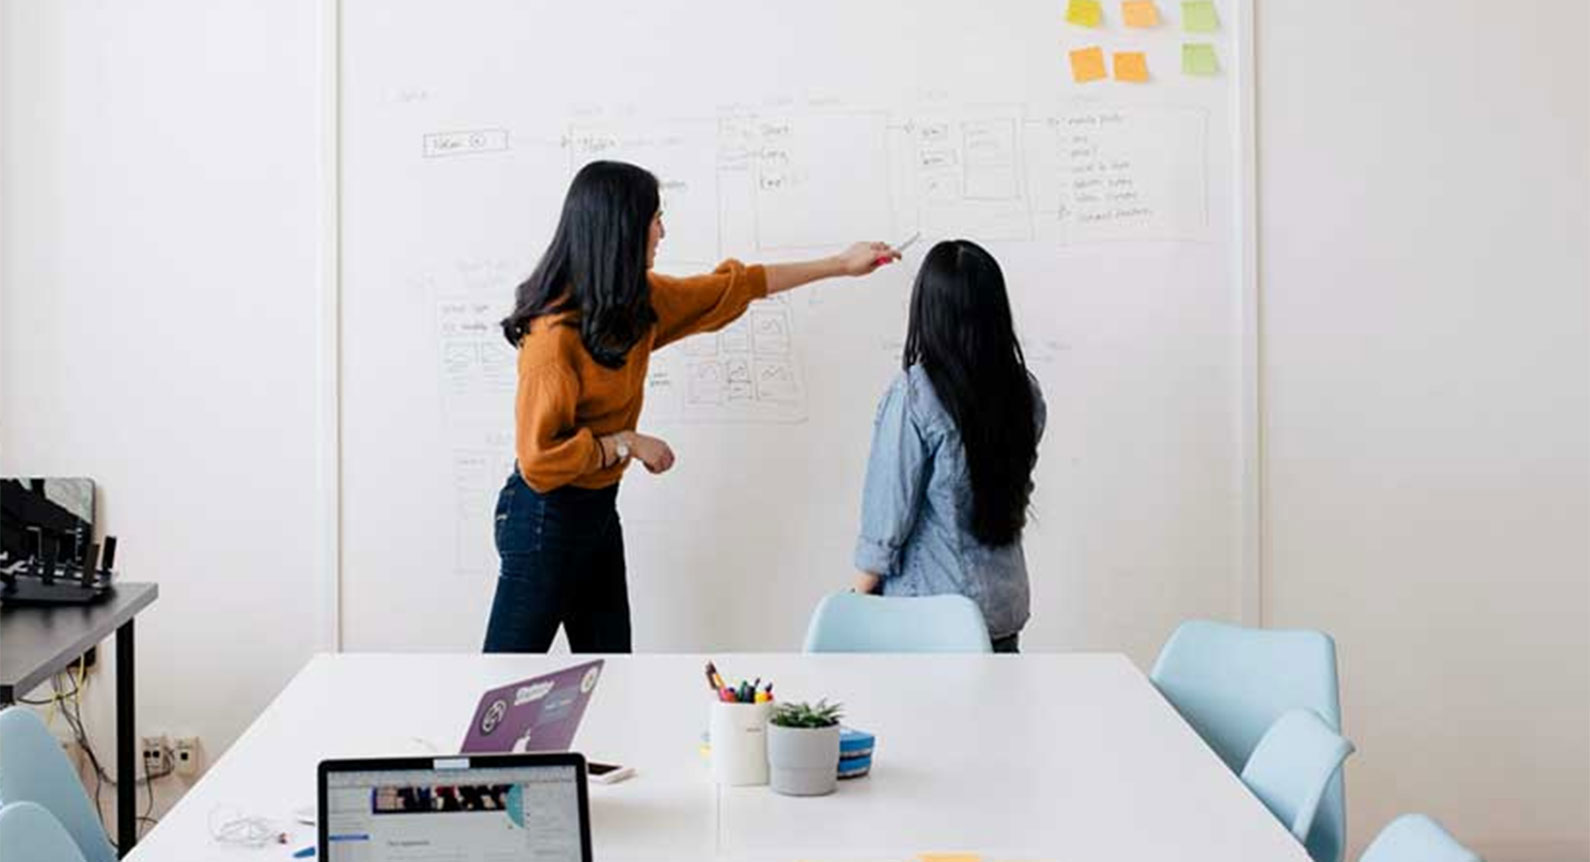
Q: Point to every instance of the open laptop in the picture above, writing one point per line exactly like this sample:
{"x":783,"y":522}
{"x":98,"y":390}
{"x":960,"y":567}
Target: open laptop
{"x":538,"y":714}
{"x":463,"y":809}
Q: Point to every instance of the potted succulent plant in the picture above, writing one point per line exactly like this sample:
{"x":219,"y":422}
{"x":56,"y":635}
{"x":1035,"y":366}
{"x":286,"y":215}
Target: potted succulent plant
{"x":803,"y":748}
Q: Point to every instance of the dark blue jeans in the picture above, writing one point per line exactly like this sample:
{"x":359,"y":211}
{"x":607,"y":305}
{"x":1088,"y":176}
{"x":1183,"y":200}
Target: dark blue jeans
{"x":562,"y":564}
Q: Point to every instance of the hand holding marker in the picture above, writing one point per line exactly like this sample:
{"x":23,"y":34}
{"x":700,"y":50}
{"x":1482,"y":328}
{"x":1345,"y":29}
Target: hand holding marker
{"x":899,"y":250}
{"x":745,"y":692}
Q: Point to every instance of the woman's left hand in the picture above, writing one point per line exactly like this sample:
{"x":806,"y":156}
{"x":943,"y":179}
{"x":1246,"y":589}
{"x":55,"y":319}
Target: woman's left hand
{"x":864,"y":257}
{"x":866,"y":582}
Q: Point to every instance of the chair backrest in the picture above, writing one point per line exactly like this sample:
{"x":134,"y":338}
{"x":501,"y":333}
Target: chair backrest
{"x":34,"y":769}
{"x":1231,"y":683}
{"x":1292,"y":765}
{"x":1416,"y":838}
{"x":27,"y":831}
{"x":851,"y":622}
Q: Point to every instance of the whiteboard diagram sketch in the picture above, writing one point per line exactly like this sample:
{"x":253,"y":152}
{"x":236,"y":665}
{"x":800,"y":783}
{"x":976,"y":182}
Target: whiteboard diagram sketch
{"x":801,"y":164}
{"x":475,"y":359}
{"x":965,"y":174}
{"x":478,"y":474}
{"x":747,"y":372}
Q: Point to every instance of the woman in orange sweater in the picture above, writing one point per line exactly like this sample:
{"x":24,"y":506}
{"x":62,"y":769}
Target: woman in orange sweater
{"x":585,"y":323}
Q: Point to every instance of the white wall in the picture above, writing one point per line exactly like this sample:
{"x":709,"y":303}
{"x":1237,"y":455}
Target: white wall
{"x":1424,"y":192}
{"x":160,"y":251}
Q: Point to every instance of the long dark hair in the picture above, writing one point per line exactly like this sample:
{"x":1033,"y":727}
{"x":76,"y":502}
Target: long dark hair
{"x":962,"y":335}
{"x":596,"y":264}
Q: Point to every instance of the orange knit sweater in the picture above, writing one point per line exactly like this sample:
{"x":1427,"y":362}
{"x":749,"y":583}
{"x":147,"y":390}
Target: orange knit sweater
{"x":566,"y":400}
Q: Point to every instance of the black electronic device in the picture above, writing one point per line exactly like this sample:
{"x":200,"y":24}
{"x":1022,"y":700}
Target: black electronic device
{"x":47,"y":550}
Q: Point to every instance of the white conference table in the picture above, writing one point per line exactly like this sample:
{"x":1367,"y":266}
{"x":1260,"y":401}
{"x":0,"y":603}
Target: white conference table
{"x":1031,"y":757}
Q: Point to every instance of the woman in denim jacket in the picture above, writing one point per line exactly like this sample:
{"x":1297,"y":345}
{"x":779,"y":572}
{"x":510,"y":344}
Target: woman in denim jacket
{"x":954,"y":445}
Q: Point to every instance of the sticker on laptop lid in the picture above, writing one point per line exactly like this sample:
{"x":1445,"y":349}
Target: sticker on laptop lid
{"x":493,"y":716}
{"x":531,"y":693}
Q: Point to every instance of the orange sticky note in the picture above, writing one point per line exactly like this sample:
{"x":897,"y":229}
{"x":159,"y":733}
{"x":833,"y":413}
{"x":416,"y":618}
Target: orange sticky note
{"x":1131,"y":66}
{"x":1087,"y":64}
{"x":1141,"y":14}
{"x":1084,"y":13}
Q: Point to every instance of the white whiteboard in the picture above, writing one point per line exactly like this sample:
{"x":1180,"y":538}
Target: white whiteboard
{"x":780,"y":131}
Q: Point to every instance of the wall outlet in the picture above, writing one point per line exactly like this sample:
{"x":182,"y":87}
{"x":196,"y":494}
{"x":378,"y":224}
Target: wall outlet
{"x":185,"y":752}
{"x":153,"y":750}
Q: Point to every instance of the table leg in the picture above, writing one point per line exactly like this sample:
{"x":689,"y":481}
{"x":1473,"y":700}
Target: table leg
{"x":126,"y":734}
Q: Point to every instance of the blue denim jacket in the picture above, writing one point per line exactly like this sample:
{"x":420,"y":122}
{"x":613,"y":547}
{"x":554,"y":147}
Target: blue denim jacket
{"x":916,"y":509}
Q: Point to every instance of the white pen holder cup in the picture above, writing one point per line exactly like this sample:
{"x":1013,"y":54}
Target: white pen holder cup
{"x":739,"y":742}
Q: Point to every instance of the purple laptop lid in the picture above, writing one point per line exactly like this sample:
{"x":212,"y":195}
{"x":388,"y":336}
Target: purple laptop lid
{"x":537,"y":714}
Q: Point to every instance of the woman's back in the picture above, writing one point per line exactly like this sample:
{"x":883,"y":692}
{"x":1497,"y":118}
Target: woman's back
{"x":916,"y":525}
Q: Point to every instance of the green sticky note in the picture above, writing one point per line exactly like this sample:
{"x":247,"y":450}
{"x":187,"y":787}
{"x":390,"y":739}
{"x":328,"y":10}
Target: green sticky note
{"x":1199,"y":16}
{"x":1198,"y":58}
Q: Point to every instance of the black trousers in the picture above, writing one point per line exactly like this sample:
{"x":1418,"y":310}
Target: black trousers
{"x":562,"y":564}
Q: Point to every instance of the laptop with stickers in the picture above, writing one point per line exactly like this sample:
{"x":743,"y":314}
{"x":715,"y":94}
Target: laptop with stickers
{"x":538,"y":714}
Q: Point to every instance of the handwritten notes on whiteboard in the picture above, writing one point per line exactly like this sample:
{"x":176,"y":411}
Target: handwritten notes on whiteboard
{"x":444,"y":144}
{"x":1128,"y":174}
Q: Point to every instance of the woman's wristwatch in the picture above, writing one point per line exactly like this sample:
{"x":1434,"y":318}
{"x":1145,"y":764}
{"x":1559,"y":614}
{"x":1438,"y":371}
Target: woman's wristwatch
{"x":621,"y":447}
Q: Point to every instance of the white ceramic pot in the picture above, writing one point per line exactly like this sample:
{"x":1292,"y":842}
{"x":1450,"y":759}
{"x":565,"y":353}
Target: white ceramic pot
{"x":803,"y":761}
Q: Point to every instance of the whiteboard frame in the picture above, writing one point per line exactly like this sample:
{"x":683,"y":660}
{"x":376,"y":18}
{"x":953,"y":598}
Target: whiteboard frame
{"x":1250,"y":600}
{"x":328,"y":325}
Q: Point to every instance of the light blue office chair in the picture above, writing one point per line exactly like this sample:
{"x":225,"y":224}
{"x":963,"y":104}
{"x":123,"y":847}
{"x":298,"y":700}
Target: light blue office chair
{"x":1292,"y":765}
{"x":28,"y":832}
{"x":851,"y":622}
{"x":1231,"y":683}
{"x":34,"y":769}
{"x":1416,"y":838}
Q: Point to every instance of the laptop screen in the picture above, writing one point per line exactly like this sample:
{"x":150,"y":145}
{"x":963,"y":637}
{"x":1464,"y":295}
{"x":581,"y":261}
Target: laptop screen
{"x":468,"y":814}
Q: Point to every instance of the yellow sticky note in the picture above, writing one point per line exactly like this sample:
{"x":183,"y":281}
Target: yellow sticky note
{"x":1198,"y":58}
{"x":948,"y":857}
{"x":1199,"y":16}
{"x":1087,"y":64}
{"x":1141,"y":14}
{"x":1084,"y":13}
{"x":1131,"y":66}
